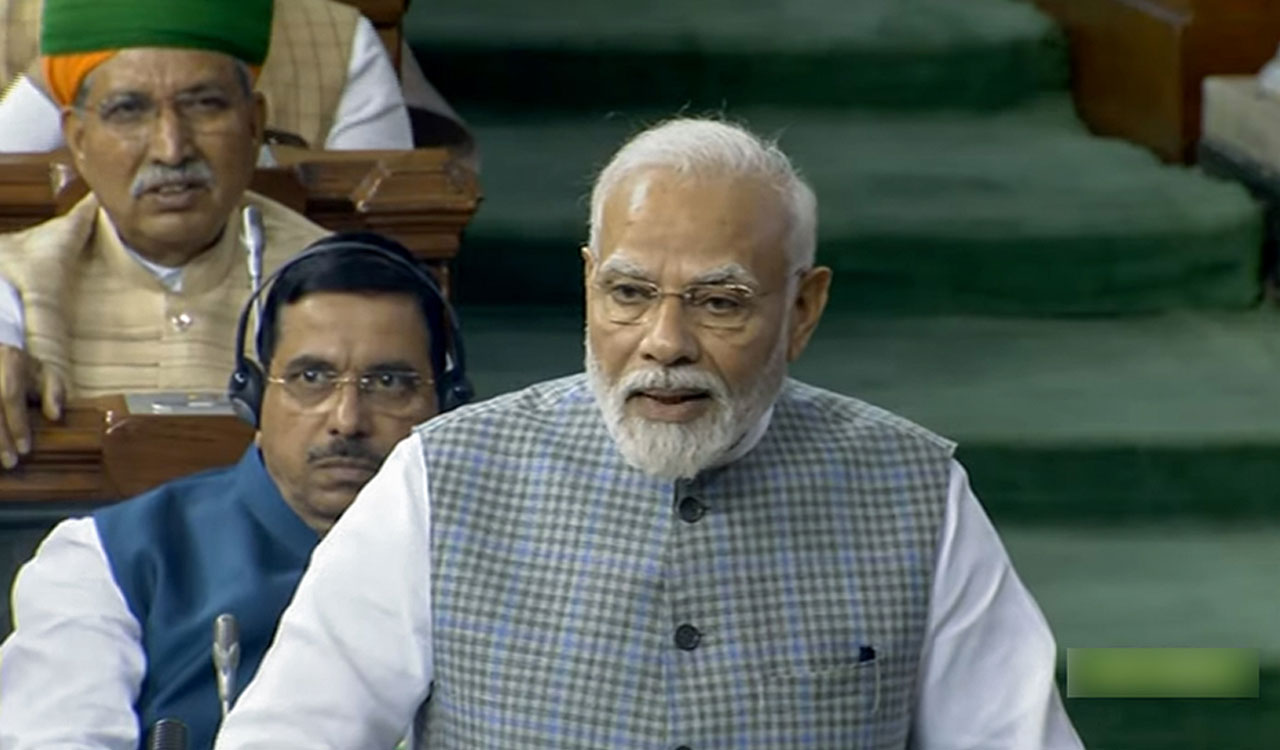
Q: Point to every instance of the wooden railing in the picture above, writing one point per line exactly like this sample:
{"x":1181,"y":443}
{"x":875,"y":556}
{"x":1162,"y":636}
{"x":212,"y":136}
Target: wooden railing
{"x":422,"y":198}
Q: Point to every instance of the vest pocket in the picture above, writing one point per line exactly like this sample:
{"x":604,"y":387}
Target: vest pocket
{"x":833,"y":707}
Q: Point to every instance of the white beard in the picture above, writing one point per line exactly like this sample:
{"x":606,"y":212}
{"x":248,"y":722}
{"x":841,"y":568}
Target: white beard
{"x":679,"y":450}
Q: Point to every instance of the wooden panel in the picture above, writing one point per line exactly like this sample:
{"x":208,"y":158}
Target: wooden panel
{"x":381,"y":12}
{"x":1125,"y":63}
{"x":423,"y":198}
{"x":100,"y":452}
{"x":1226,"y":37}
{"x":1137,"y":65}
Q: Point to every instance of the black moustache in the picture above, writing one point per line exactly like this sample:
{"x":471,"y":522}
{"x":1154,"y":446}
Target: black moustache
{"x":344,"y":448}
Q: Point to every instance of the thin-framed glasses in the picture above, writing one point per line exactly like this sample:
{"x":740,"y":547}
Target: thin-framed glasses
{"x":134,"y":114}
{"x":392,"y":392}
{"x":719,"y":306}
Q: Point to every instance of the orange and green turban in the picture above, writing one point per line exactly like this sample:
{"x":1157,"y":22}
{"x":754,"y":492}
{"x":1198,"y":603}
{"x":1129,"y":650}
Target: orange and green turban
{"x":76,"y":36}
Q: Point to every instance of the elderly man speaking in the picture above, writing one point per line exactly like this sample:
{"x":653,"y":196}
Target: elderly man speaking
{"x":680,"y":548}
{"x":137,"y":287}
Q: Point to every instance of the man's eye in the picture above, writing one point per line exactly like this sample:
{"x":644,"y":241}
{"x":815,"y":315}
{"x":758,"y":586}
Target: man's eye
{"x":630,"y":294}
{"x":391,"y":382}
{"x":129,"y":109}
{"x":313,"y":377}
{"x":208,"y":104}
{"x":719,"y":303}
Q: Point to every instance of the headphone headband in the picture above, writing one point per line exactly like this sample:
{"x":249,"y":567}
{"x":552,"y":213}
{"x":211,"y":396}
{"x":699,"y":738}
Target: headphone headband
{"x":248,"y":381}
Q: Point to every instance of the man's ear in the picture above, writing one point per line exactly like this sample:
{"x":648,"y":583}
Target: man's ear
{"x":73,"y":134}
{"x":806,"y":311}
{"x":259,"y":123}
{"x":588,"y":268}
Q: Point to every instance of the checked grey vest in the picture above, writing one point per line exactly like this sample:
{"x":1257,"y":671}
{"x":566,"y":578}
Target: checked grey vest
{"x":777,"y":602}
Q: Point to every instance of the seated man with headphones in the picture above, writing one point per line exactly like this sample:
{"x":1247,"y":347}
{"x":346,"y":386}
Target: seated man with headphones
{"x":114,"y":616}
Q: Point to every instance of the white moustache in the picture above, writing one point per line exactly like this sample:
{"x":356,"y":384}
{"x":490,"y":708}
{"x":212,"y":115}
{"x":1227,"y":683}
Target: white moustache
{"x":672,"y":380}
{"x":153,"y":176}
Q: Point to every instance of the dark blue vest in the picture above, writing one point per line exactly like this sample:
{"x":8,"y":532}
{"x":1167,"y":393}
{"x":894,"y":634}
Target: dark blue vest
{"x":185,"y":552}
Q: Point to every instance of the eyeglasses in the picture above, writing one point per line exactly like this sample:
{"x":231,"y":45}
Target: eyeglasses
{"x":133,"y":114}
{"x":628,"y":301}
{"x":391,"y":392}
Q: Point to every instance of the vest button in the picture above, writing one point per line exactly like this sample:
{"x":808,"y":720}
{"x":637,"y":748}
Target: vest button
{"x":690,"y":509}
{"x":687,"y":637}
{"x":181,"y":322}
{"x":684,"y":747}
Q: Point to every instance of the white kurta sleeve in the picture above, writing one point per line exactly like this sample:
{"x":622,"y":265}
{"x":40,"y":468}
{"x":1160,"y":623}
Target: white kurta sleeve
{"x":13,"y":327}
{"x":29,"y":120}
{"x":71,"y":670}
{"x":351,"y":661}
{"x":987,"y":669}
{"x":371,"y":113}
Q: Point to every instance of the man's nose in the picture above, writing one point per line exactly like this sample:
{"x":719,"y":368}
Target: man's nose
{"x":669,"y":340}
{"x":348,"y":414}
{"x":170,"y":138}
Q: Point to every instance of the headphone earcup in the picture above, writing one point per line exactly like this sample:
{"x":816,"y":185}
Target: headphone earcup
{"x":244,"y":391}
{"x":457,"y":391}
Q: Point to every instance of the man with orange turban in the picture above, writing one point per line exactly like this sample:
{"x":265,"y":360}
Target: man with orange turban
{"x":138,"y":287}
{"x":329,"y":79}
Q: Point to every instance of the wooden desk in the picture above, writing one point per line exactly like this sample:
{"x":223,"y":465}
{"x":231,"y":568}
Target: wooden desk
{"x":423,"y":198}
{"x":100,"y":452}
{"x":1137,"y":65}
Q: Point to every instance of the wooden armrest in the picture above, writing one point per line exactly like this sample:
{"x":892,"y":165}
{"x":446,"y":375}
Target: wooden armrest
{"x":101,"y":452}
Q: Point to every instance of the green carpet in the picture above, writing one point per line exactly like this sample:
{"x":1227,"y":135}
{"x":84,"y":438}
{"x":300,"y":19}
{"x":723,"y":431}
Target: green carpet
{"x":1191,"y":585}
{"x":1181,"y":724}
{"x":823,"y":53}
{"x":1164,"y":585}
{"x":1019,"y":212}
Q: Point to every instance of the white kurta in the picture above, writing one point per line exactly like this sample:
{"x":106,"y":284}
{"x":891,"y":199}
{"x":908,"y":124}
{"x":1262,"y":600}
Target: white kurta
{"x":70,"y":674}
{"x":371,"y":112}
{"x":352,"y":659}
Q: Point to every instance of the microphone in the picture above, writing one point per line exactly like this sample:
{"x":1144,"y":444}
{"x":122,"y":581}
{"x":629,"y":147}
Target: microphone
{"x":254,"y":241}
{"x":226,"y":658}
{"x":167,"y":734}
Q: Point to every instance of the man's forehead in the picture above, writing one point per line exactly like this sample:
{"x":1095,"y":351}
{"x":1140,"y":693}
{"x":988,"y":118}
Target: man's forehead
{"x":621,"y":263}
{"x":381,"y":323}
{"x":360,"y":308}
{"x":707,"y":224}
{"x":159,"y":70}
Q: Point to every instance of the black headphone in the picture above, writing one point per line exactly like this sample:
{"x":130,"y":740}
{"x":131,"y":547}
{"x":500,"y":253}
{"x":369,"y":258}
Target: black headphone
{"x":248,"y":381}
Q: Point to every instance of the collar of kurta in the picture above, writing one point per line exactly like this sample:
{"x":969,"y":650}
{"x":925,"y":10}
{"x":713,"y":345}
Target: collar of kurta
{"x":206,"y":271}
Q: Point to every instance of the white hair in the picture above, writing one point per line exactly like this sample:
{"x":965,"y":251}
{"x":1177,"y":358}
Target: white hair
{"x":676,"y":450}
{"x":705,"y":147}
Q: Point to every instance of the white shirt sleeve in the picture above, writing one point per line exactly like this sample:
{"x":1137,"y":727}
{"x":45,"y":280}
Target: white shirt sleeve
{"x":371,"y":113}
{"x":71,"y":670}
{"x":29,"y":120}
{"x":13,"y":324}
{"x":351,"y":661}
{"x":986,"y":672}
